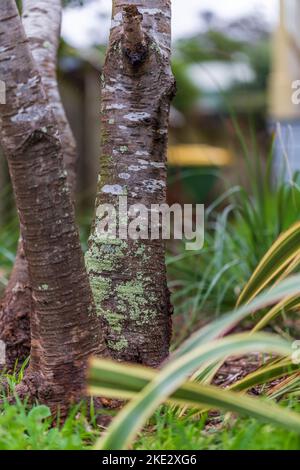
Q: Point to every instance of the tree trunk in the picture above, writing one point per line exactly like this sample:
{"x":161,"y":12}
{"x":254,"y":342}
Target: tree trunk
{"x":64,"y":328}
{"x":128,"y":277}
{"x":15,"y":309}
{"x":41,"y":20}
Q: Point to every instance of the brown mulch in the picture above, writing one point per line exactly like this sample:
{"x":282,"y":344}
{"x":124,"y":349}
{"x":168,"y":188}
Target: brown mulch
{"x":236,"y":368}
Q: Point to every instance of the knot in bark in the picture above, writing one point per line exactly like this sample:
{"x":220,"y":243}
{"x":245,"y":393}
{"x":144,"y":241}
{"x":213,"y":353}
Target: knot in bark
{"x":134,"y":42}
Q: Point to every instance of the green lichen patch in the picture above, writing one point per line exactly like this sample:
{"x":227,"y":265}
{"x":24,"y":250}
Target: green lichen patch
{"x":114,"y":320}
{"x":132,"y":299}
{"x":105,"y":254}
{"x":101,"y":288}
{"x":155,"y":47}
{"x":93,"y":265}
{"x":141,"y":251}
{"x":123,"y":149}
{"x":44,"y":287}
{"x":118,"y":345}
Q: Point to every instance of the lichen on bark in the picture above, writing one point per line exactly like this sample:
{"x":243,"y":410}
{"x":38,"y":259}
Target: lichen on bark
{"x":137,"y":87}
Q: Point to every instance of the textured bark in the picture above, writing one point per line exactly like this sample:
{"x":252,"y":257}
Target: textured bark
{"x":128,"y":277}
{"x":41,"y":20}
{"x":15,"y":310}
{"x":64,"y":328}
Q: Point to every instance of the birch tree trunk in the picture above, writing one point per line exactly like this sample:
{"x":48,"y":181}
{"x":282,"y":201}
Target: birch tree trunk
{"x":64,"y":328}
{"x":128,"y":277}
{"x":41,"y":20}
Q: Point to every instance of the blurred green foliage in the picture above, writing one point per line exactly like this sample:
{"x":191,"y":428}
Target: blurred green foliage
{"x":222,"y":43}
{"x":187,"y":92}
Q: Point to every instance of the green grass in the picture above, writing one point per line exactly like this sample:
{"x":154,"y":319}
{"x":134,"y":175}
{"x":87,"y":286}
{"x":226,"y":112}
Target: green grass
{"x":24,"y":427}
{"x":168,"y":432}
{"x":31,"y":428}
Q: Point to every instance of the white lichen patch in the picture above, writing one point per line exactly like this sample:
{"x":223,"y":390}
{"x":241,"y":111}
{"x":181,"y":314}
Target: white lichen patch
{"x":29,"y":114}
{"x":114,"y":189}
{"x":154,"y":11}
{"x":63,"y":174}
{"x":135,"y":168}
{"x":122,"y":149}
{"x":109,"y":88}
{"x":157,"y":165}
{"x":142,"y":153}
{"x":136,"y":117}
{"x":117,"y":20}
{"x":22,"y":88}
{"x":115,"y":106}
{"x":116,"y":87}
{"x":153,"y":185}
{"x":33,"y":80}
{"x":124,"y":176}
{"x":17,"y":287}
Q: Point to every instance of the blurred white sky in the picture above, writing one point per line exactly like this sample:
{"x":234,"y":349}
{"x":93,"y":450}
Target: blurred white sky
{"x":83,"y":26}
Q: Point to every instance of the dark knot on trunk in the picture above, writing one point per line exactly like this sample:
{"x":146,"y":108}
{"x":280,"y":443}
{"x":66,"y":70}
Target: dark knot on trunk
{"x":134,"y":41}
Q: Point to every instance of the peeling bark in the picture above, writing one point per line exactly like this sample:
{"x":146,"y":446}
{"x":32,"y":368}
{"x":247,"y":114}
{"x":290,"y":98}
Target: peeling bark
{"x":128,"y":277}
{"x":41,"y":20}
{"x":64,"y":328}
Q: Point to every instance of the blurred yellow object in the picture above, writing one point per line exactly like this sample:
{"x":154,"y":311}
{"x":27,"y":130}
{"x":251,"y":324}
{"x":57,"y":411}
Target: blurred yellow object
{"x":198,"y":155}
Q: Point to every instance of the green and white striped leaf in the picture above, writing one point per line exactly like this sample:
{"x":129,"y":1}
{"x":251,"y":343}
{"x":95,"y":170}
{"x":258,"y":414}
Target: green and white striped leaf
{"x":287,"y":288}
{"x":283,"y":252}
{"x":265,"y":374}
{"x":289,"y":303}
{"x":123,"y":381}
{"x":128,"y":422}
